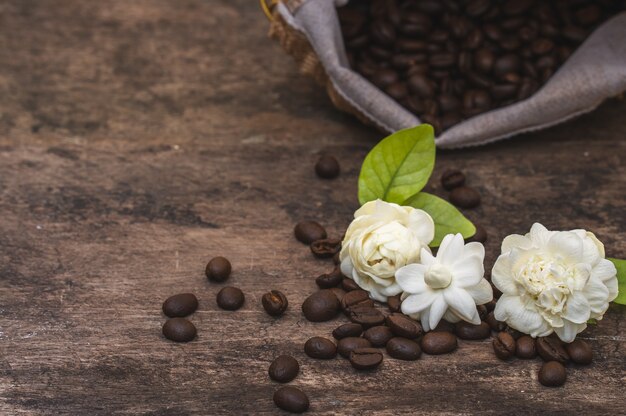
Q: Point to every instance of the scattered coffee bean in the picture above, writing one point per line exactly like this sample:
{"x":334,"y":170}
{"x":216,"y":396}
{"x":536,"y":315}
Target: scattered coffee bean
{"x":309,"y":231}
{"x":552,"y":374}
{"x":348,"y":330}
{"x":349,"y":285}
{"x":291,"y":399}
{"x":526,"y":347}
{"x":366,"y":316}
{"x":218,"y":269}
{"x":403,"y":349}
{"x":403,"y":326}
{"x":579,"y":352}
{"x":444,"y":326}
{"x":504,"y":346}
{"x":320,"y":347}
{"x":179,"y":330}
{"x":482,"y":312}
{"x":394,"y":303}
{"x":328,"y":280}
{"x":378,"y":335}
{"x":465,"y":197}
{"x":180,"y":305}
{"x":514,"y":333}
{"x":452,"y":178}
{"x":274,"y":302}
{"x":284,"y":369}
{"x":480,"y":236}
{"x":440,"y":342}
{"x":348,"y":344}
{"x":494,"y":324}
{"x":466,"y":330}
{"x":551,"y":348}
{"x":357,"y":298}
{"x":327,"y":167}
{"x":339,"y":292}
{"x":336,"y":258}
{"x":230,"y":298}
{"x":325,"y":248}
{"x":365,"y":358}
{"x":322,"y":305}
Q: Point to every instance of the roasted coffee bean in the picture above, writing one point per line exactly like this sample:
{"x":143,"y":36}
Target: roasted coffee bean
{"x":320,"y":347}
{"x":480,"y":235}
{"x":482,"y":312}
{"x":491,"y":305}
{"x":365,"y":358}
{"x":328,"y":280}
{"x":383,"y":32}
{"x":439,"y":342}
{"x":403,"y":326}
{"x":309,"y":231}
{"x":403,"y":349}
{"x":444,"y":326}
{"x":179,"y":330}
{"x":230,"y":298}
{"x":513,"y":332}
{"x":552,"y":374}
{"x":356,"y":298}
{"x":448,"y":103}
{"x":452,"y":178}
{"x":574,"y":33}
{"x":291,"y":399}
{"x":484,"y":59}
{"x":442,"y":60}
{"x":516,"y":7}
{"x":494,"y":324}
{"x":325,"y":248}
{"x":504,"y":91}
{"x":384,"y":77}
{"x":476,"y":101}
{"x":378,"y":335}
{"x":394,"y":303}
{"x":274,"y":302}
{"x":218,"y":269}
{"x":551,"y":349}
{"x":327,"y":167}
{"x":421,"y":85}
{"x":542,"y":46}
{"x":449,"y":119}
{"x":284,"y":369}
{"x":579,"y":352}
{"x":439,"y":36}
{"x":366,"y":316}
{"x":339,"y":293}
{"x":349,"y":285}
{"x":479,"y":81}
{"x":526,"y":347}
{"x":321,"y":306}
{"x":348,"y":344}
{"x":411,"y":45}
{"x":465,"y":197}
{"x":506,"y":64}
{"x":180,"y":305}
{"x":348,"y":330}
{"x":492,"y":32}
{"x":504,"y":346}
{"x":466,"y":330}
{"x":397,"y":91}
{"x":589,"y":14}
{"x":476,"y":8}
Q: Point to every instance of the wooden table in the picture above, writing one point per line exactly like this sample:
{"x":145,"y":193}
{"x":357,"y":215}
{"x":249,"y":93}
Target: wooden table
{"x":140,"y":138}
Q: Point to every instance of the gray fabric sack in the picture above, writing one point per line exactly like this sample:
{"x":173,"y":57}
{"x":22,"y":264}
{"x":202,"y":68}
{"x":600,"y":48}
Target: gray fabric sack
{"x":309,"y":30}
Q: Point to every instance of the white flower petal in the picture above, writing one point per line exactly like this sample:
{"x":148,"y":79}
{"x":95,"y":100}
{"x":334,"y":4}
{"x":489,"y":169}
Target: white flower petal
{"x":460,"y":301}
{"x":511,"y":310}
{"x":566,"y":245}
{"x":451,"y":317}
{"x":451,"y":249}
{"x":539,"y":235}
{"x":502,"y":275}
{"x":474,"y":249}
{"x":597,"y":294}
{"x":437,"y":309}
{"x":417,"y":302}
{"x":346,"y":266}
{"x":516,"y":241}
{"x":422,"y":226}
{"x":577,"y":308}
{"x":411,"y":278}
{"x":604,"y":270}
{"x":366,"y":209}
{"x":468,"y":272}
{"x":481,"y":293}
{"x":568,"y":331}
{"x":423,"y":317}
{"x":426,"y":257}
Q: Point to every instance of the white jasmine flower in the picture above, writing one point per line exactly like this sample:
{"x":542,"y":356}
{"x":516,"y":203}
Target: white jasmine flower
{"x":553,"y":281}
{"x":448,"y":286}
{"x":382,"y":238}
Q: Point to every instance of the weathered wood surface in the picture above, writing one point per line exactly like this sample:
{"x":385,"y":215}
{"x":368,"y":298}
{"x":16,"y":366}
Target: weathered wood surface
{"x":138,"y":139}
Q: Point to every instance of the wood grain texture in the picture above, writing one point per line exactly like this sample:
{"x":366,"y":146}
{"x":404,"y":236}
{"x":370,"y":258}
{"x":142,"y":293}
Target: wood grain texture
{"x":139,"y":139}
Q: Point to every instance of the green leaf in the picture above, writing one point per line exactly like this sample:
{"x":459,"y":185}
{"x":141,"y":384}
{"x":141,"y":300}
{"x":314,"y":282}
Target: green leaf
{"x":620,"y":265}
{"x":399,"y":166}
{"x":448,"y":219}
{"x":592,"y":322}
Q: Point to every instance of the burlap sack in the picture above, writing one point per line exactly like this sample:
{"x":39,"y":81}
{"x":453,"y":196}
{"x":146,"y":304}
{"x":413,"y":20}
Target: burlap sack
{"x":309,"y":31}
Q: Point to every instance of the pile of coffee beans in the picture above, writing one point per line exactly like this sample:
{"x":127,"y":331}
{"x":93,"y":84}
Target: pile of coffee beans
{"x":449,"y":60}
